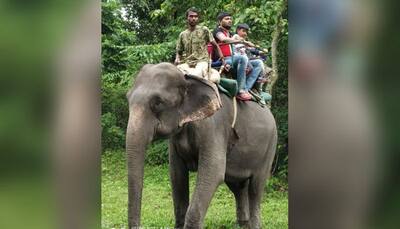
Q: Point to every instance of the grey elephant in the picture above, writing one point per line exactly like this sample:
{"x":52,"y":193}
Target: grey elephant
{"x":164,"y":103}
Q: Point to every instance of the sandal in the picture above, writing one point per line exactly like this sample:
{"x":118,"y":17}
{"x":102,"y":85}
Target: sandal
{"x":244,"y":96}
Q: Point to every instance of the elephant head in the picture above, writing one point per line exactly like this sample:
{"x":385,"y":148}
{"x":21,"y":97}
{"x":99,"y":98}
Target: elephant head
{"x":160,"y":102}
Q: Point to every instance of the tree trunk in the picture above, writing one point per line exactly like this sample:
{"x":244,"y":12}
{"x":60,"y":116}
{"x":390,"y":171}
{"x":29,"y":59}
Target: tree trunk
{"x":274,"y":56}
{"x":274,"y":50}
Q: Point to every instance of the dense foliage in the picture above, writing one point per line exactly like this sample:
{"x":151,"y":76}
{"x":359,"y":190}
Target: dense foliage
{"x":138,"y":32}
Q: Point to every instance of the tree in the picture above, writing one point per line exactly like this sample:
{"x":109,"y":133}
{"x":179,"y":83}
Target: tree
{"x":115,"y":37}
{"x":279,"y":27}
{"x":137,"y":14}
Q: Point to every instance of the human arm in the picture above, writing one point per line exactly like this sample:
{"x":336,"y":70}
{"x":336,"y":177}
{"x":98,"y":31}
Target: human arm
{"x":221,"y":56}
{"x":177,"y":59}
{"x":179,"y":50}
{"x":211,"y":39}
{"x":233,"y":40}
{"x":257,"y":50}
{"x":228,"y":40}
{"x":248,"y":43}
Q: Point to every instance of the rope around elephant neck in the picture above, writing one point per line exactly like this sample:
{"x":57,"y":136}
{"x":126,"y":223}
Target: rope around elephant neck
{"x":234,"y":111}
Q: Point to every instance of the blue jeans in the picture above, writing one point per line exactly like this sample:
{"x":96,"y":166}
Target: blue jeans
{"x":239,"y":63}
{"x":258,"y":66}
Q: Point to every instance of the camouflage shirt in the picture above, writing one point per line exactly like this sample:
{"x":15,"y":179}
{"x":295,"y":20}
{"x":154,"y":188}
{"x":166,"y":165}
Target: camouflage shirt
{"x":192,"y":45}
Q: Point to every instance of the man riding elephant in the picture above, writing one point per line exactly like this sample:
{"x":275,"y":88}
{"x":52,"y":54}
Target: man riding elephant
{"x":191,"y":47}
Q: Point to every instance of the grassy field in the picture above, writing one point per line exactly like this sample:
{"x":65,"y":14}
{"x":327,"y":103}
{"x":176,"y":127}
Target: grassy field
{"x":157,"y":207}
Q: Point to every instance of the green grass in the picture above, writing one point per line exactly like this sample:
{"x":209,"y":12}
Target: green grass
{"x":157,"y":207}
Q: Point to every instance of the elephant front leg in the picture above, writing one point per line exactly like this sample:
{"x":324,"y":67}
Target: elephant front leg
{"x":180,"y":187}
{"x":211,"y":173}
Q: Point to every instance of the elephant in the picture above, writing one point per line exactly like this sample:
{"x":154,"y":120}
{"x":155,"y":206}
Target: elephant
{"x":166,"y":104}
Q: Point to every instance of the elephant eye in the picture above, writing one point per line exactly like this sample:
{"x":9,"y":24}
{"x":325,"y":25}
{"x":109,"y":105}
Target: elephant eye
{"x":157,"y":105}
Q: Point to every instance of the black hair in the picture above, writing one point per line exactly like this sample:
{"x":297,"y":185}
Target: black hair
{"x":242,"y":26}
{"x":222,"y":15}
{"x":192,"y":9}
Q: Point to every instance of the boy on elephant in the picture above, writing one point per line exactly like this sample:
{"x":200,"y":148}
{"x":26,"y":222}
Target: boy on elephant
{"x":191,"y":48}
{"x":253,"y":53}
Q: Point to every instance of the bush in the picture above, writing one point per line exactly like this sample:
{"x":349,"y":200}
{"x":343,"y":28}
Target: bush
{"x":112,"y":135}
{"x":140,"y":55}
{"x":115,"y":110}
{"x":157,"y":153}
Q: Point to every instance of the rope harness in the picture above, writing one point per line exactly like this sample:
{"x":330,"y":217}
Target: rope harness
{"x":234,"y":111}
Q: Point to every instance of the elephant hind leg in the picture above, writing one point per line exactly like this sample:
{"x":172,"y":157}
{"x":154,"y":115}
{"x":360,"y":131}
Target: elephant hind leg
{"x":256,"y":191}
{"x":240,"y":191}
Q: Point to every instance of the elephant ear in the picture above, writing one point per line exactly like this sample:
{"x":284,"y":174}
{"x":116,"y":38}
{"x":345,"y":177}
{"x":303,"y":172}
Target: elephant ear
{"x":201,"y":100}
{"x":137,"y":78}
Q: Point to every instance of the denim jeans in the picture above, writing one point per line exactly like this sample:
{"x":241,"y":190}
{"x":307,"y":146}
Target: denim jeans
{"x":239,"y":63}
{"x":258,"y":66}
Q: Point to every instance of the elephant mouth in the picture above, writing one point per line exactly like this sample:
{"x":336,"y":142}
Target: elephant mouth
{"x":163,"y":132}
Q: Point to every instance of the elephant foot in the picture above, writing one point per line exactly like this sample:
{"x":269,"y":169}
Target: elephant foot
{"x":192,"y":226}
{"x":254,"y":225}
{"x":179,"y":225}
{"x":244,"y":224}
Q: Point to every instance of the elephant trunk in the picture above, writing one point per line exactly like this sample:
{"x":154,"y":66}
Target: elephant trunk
{"x":139,"y":135}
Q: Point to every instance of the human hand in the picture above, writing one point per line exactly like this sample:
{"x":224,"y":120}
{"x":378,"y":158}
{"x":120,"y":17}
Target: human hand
{"x":248,"y":43}
{"x":223,"y":61}
{"x":177,"y":61}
